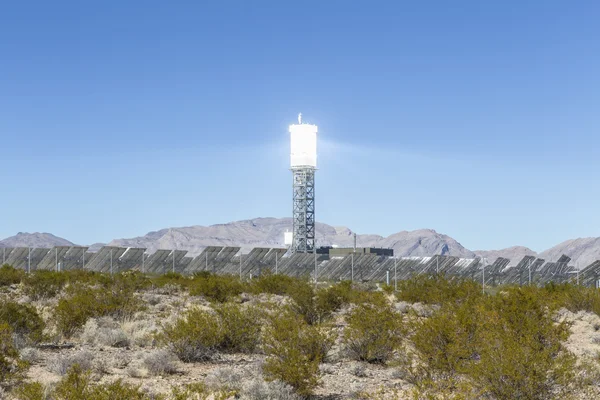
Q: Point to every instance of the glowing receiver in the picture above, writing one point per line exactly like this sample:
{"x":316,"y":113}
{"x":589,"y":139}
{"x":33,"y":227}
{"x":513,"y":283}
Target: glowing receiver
{"x":303,"y":145}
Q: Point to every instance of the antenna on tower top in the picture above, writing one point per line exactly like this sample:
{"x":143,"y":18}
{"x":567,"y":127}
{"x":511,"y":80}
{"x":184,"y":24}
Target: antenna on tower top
{"x":300,"y":118}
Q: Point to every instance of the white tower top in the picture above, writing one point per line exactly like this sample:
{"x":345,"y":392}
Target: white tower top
{"x":303,"y":145}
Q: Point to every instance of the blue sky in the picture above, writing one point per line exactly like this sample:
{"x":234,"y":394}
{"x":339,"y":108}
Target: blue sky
{"x":478,"y":119}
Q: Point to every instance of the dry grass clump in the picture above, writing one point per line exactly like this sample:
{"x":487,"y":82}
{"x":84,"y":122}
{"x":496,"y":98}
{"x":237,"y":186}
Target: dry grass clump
{"x":30,"y":355}
{"x":160,"y":362}
{"x":104,"y":332}
{"x":258,"y":389}
{"x":61,"y":364}
{"x":140,"y":332}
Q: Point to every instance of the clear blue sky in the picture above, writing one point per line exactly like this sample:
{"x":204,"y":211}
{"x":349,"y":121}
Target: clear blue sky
{"x":479,"y":119}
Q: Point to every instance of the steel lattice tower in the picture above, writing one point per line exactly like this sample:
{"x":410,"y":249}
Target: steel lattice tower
{"x":303,"y":165}
{"x":304,"y":210}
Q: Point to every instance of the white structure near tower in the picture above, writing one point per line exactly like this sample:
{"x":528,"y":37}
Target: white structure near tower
{"x":303,"y":163}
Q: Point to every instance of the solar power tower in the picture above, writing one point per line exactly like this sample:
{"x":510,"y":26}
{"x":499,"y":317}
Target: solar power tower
{"x":303,"y":161}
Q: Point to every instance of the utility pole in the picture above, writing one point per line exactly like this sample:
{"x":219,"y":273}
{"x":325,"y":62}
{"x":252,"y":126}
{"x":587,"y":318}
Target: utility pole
{"x":395,"y":273}
{"x":483,"y":280}
{"x":111,"y":261}
{"x":315,"y":253}
{"x":353,"y":267}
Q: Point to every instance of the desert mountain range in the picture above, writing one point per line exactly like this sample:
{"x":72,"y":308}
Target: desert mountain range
{"x":268,"y":232}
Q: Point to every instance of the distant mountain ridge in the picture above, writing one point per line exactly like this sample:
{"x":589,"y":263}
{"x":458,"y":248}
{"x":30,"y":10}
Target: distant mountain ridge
{"x":269,"y":232}
{"x":24,"y":239}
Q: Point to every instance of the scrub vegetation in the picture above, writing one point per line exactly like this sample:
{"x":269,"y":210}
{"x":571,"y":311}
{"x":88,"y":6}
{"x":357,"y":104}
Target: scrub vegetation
{"x":84,"y":335}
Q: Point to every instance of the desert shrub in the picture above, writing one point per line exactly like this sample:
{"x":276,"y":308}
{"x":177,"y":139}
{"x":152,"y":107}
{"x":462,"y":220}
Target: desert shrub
{"x":572,"y":297}
{"x":76,"y":385}
{"x":171,"y":279}
{"x":10,"y":276}
{"x":218,"y":288}
{"x":160,"y":362}
{"x":61,"y":364}
{"x":11,"y":367}
{"x":446,"y":340}
{"x":195,"y":336}
{"x":272,"y":284}
{"x":23,"y":319}
{"x":508,"y":345}
{"x":437,"y":289}
{"x":294,"y":351}
{"x":373,"y":333}
{"x":225,"y":379}
{"x":84,"y":302}
{"x":520,"y":348}
{"x":30,"y":355}
{"x":105,"y":332}
{"x":199,"y":391}
{"x":258,"y":389}
{"x":241,"y":327}
{"x":32,"y":391}
{"x":333,"y":298}
{"x":44,"y":284}
{"x":315,"y":306}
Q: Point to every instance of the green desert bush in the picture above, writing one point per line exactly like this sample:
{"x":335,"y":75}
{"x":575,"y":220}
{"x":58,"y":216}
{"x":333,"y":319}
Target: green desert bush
{"x":374,"y":333}
{"x":437,"y":289}
{"x":77,"y":385}
{"x":316,"y":306}
{"x":198,"y":334}
{"x":23,"y":319}
{"x":31,"y":391}
{"x":11,"y":367}
{"x":217,"y":288}
{"x":508,"y":345}
{"x":44,"y":284}
{"x":195,"y":336}
{"x":10,"y":276}
{"x":446,"y":340}
{"x":171,"y":279}
{"x":83,"y":302}
{"x":272,"y":284}
{"x":199,"y":391}
{"x":294,"y":351}
{"x":520,"y":347}
{"x":241,"y":327}
{"x":573,"y":297}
